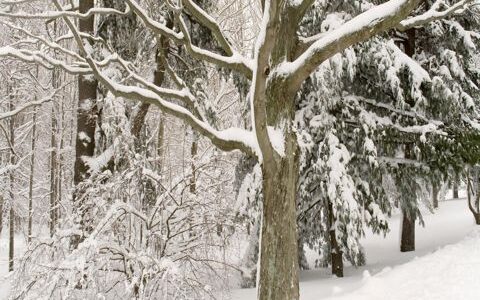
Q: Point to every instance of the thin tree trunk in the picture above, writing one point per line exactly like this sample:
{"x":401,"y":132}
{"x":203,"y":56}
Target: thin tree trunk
{"x":30,"y":182}
{"x":473,"y":204}
{"x":11,"y":244}
{"x":193,"y":152}
{"x":2,"y":200}
{"x":435,"y":191}
{"x":336,"y":253}
{"x":408,"y":233}
{"x":53,"y":168}
{"x":86,"y":124}
{"x":455,"y":188}
{"x":61,"y":134}
{"x":278,"y":247}
{"x":408,"y":217}
{"x":160,"y":143}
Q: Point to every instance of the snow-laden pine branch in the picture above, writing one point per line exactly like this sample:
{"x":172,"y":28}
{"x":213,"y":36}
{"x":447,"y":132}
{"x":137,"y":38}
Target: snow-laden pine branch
{"x":375,"y":20}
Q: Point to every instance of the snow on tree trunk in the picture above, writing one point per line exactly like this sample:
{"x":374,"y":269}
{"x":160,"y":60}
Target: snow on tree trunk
{"x":11,"y":243}
{"x":53,"y":156}
{"x":86,"y":123}
{"x":278,"y":245}
{"x":408,"y":216}
{"x":30,"y":180}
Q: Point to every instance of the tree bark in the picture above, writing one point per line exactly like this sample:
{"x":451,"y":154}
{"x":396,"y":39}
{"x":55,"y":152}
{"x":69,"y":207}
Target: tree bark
{"x":53,"y":167}
{"x":193,"y":153}
{"x":160,"y":145}
{"x":435,"y":191}
{"x":407,"y":243}
{"x":11,"y":244}
{"x":408,"y":233}
{"x":30,"y":182}
{"x":477,"y":218}
{"x":278,"y":247}
{"x":473,"y":204}
{"x":455,"y":188}
{"x":1,"y":213}
{"x":86,"y":124}
{"x":336,"y":253}
{"x":61,"y":135}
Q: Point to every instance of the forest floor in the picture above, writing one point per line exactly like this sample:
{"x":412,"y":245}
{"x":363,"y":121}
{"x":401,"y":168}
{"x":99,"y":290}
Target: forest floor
{"x":20,"y":245}
{"x":445,"y":265}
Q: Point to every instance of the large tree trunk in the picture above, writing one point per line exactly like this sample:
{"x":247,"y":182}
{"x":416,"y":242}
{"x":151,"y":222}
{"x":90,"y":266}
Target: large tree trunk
{"x":336,"y":253}
{"x":278,"y":246}
{"x":86,"y":123}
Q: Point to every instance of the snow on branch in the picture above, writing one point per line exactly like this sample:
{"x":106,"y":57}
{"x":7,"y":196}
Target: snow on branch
{"x":234,"y":60}
{"x":38,"y":57}
{"x":14,"y":112}
{"x":64,"y":13}
{"x":360,"y":28}
{"x":227,"y":140}
{"x":435,"y":13}
{"x":206,"y":20}
{"x":11,"y":168}
{"x":41,"y":39}
{"x":418,"y":72}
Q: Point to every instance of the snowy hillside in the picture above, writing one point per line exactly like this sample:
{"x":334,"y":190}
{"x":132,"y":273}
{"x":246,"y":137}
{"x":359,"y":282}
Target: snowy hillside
{"x":446,"y":264}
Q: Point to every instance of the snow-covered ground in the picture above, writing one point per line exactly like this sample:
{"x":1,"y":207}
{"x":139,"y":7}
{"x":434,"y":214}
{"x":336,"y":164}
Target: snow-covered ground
{"x":446,"y":264}
{"x":19,"y":249}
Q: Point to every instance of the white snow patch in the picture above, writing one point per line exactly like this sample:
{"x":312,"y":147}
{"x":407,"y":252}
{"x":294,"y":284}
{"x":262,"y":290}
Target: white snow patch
{"x":277,"y":139}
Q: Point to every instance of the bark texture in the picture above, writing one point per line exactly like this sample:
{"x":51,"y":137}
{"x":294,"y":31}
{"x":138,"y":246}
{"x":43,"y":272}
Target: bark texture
{"x":336,"y":253}
{"x":30,"y":181}
{"x":86,"y":124}
{"x":435,"y":192}
{"x":455,"y":188}
{"x":53,"y":169}
{"x":408,"y":233}
{"x":1,"y":213}
{"x":407,"y":243}
{"x":278,"y":247}
{"x":11,"y":218}
{"x":473,"y":195}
